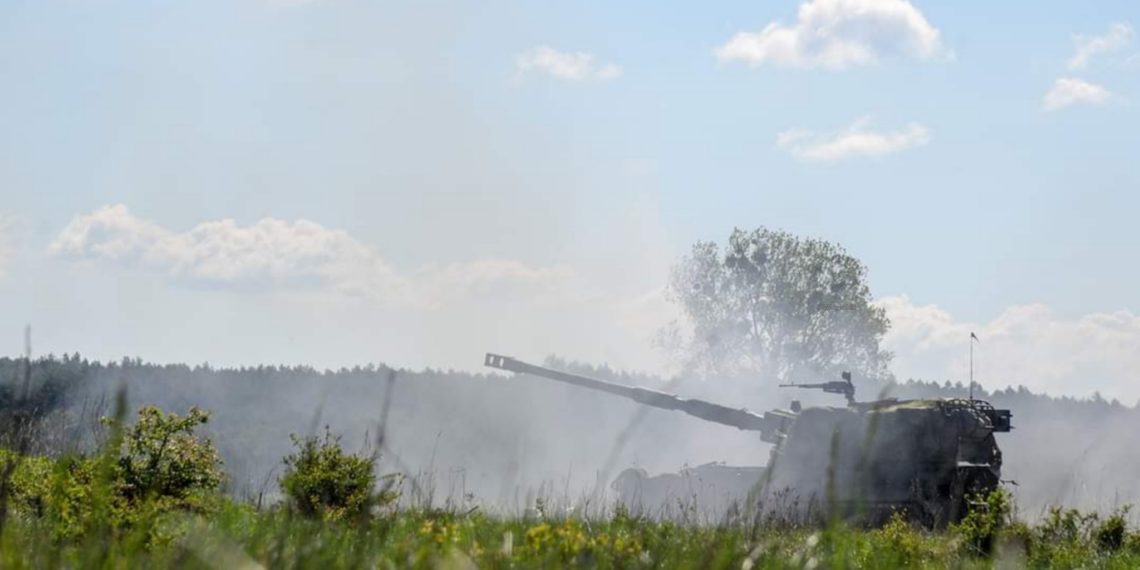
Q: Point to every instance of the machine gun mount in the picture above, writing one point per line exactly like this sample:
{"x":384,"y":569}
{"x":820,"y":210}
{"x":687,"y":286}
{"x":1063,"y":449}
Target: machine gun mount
{"x":844,"y":387}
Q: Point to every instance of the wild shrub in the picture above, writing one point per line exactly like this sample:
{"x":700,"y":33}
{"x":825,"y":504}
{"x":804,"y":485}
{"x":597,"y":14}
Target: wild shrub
{"x":162,"y":458}
{"x":1111,"y":533}
{"x":30,"y":483}
{"x":1064,"y":539}
{"x":155,"y":466}
{"x":78,"y":499}
{"x":1065,"y":525}
{"x":905,"y":544}
{"x":322,"y":480}
{"x":58,"y":492}
{"x":980,"y":527}
{"x":1132,"y":543}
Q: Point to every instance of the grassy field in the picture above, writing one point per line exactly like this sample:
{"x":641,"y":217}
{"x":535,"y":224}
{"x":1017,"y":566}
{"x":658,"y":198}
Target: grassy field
{"x":151,"y":498}
{"x":152,"y":494}
{"x":239,"y":536}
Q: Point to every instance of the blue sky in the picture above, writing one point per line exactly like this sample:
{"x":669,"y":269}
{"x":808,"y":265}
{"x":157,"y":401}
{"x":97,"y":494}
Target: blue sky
{"x":437,"y":136}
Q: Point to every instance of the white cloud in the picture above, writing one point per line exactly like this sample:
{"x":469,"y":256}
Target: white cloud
{"x":300,"y":280}
{"x":277,"y":254}
{"x":1068,"y":91}
{"x":1118,"y":37}
{"x":1026,"y":345}
{"x":854,"y":141}
{"x":792,"y":136}
{"x":837,"y":34}
{"x":577,"y":66}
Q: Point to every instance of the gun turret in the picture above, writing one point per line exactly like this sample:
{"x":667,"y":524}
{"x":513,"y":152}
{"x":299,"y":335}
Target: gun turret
{"x":844,"y":387}
{"x":771,"y":425}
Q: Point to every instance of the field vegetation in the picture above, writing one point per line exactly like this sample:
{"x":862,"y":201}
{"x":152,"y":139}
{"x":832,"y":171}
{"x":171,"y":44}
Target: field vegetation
{"x":152,"y":495}
{"x":88,"y":482}
{"x":153,"y":504}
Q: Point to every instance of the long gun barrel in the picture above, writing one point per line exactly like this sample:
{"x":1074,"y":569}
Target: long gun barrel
{"x":770,"y":425}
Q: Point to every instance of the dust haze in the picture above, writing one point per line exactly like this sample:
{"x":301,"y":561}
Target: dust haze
{"x":499,"y":442}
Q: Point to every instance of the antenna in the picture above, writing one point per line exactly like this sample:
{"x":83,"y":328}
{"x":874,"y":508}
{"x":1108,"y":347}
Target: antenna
{"x":973,"y":337}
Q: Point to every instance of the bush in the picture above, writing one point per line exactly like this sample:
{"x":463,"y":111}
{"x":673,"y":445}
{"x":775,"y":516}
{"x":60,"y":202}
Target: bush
{"x":902,"y":542}
{"x":30,"y":483}
{"x":153,"y":467}
{"x":1132,"y":543}
{"x":321,"y":480}
{"x":1070,"y":538}
{"x":1111,"y":533}
{"x":986,"y":518}
{"x":78,"y":499}
{"x":161,"y":458}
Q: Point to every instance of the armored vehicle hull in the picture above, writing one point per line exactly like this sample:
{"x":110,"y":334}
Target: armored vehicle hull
{"x":926,"y":457}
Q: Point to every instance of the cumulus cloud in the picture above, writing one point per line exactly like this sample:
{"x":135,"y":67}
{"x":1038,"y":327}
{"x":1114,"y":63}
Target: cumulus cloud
{"x":836,"y":34}
{"x":854,"y":141}
{"x":301,"y":280}
{"x":1085,"y":48}
{"x":577,"y":66}
{"x":1027,"y":345}
{"x":1069,"y":91}
{"x":274,"y":254}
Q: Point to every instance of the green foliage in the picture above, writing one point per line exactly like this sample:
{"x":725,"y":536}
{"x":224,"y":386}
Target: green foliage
{"x":1112,"y":531}
{"x":236,"y":535}
{"x":905,"y":541}
{"x":321,"y":480}
{"x":1132,"y":544}
{"x":778,"y":305}
{"x":31,"y":482}
{"x":139,"y":503}
{"x":162,"y":458}
{"x":1067,"y":538}
{"x":988,"y":515}
{"x":78,"y":500}
{"x":154,"y":467}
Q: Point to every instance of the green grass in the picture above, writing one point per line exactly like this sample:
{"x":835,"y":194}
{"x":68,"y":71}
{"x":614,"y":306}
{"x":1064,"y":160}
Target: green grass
{"x":237,"y":535}
{"x":151,"y":497}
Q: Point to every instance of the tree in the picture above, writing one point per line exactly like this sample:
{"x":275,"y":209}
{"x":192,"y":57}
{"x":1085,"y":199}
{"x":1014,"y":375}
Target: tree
{"x":780,"y":306}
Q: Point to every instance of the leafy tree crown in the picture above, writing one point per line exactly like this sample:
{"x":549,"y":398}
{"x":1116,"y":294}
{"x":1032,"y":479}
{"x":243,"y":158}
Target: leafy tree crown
{"x":784,"y":307}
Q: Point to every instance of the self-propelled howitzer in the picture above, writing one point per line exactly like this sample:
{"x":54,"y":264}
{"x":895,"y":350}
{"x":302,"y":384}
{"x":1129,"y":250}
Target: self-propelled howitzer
{"x":927,"y":457}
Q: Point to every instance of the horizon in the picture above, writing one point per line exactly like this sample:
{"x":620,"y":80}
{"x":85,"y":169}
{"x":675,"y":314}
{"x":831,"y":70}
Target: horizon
{"x":373,"y":367}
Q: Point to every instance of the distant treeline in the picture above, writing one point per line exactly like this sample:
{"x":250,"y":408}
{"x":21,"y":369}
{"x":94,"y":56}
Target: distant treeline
{"x":500,"y":438}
